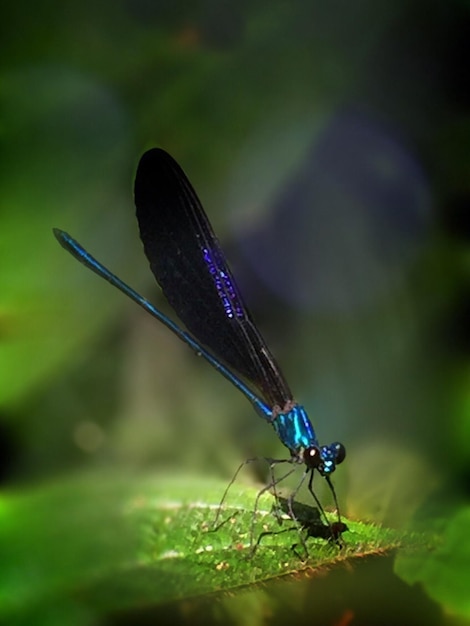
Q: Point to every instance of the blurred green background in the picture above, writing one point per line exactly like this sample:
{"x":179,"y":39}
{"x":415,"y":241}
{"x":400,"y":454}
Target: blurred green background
{"x":328,"y":142}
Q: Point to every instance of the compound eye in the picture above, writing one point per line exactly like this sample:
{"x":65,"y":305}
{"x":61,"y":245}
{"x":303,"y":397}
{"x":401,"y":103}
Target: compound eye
{"x":312,"y":457}
{"x":340,"y":452}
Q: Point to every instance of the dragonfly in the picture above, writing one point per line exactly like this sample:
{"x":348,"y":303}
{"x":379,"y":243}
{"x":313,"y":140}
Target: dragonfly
{"x":188,"y":263}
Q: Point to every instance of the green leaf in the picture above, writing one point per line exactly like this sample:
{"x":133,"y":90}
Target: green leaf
{"x":444,"y":571}
{"x":104,"y":543}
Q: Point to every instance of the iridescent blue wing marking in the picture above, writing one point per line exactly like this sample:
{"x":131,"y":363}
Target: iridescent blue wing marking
{"x":189,"y":265}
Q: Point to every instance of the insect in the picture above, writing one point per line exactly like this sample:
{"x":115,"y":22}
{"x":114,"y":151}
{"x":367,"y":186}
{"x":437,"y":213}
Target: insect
{"x":190,"y":267}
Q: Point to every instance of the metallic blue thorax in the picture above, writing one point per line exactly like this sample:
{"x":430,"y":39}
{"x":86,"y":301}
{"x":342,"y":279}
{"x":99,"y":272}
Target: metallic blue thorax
{"x":294,"y":429}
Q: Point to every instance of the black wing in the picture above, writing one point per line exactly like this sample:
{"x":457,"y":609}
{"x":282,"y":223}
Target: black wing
{"x":189,"y":265}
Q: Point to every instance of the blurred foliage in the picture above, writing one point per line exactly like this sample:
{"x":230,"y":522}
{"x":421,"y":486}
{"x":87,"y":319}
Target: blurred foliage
{"x":330,"y":146}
